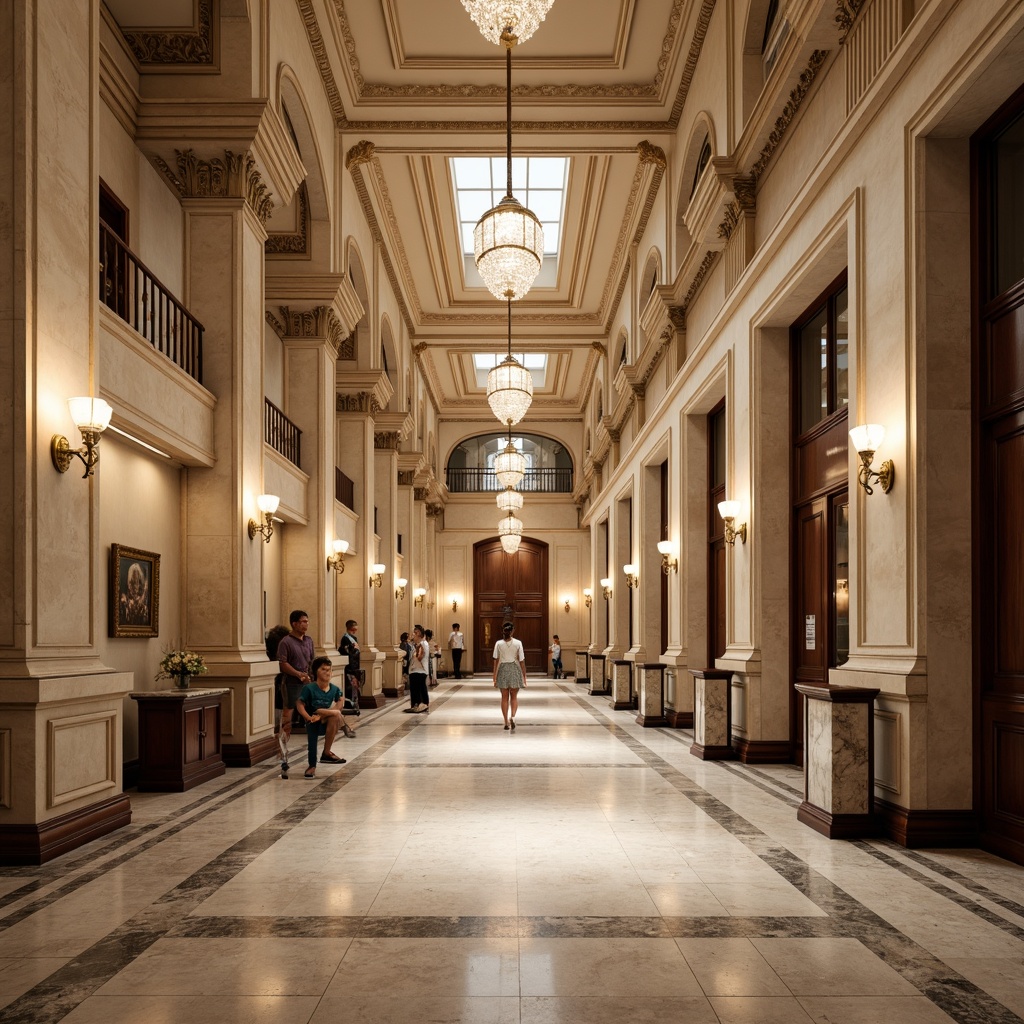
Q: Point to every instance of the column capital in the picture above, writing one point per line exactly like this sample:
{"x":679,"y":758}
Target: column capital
{"x":317,"y":323}
{"x":232,"y":177}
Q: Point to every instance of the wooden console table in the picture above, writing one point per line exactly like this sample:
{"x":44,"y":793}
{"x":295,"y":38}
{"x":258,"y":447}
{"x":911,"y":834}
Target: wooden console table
{"x":179,"y":738}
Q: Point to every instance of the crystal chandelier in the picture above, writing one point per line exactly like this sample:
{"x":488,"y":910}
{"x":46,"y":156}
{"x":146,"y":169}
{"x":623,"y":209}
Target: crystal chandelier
{"x":510,"y":500}
{"x":509,"y":385}
{"x":510,"y":465}
{"x":510,"y":525}
{"x":510,"y":542}
{"x":492,"y":17}
{"x":508,"y":240}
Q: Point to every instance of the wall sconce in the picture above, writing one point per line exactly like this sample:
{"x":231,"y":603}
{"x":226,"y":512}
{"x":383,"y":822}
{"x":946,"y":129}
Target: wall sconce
{"x":337,"y":560}
{"x":632,"y":575}
{"x":418,"y":594}
{"x":729,"y":510}
{"x":400,"y":588}
{"x":455,"y":599}
{"x":92,"y":417}
{"x":866,"y":439}
{"x":668,"y":563}
{"x":588,"y":596}
{"x":606,"y":586}
{"x":377,"y":574}
{"x":565,"y":598}
{"x":267,"y":504}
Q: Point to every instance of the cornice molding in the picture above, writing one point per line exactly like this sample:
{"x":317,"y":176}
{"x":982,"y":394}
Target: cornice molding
{"x":194,"y":50}
{"x":847,"y":12}
{"x":696,"y":46}
{"x":319,"y":49}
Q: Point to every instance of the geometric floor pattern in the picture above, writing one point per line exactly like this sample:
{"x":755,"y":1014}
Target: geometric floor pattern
{"x":578,"y":869}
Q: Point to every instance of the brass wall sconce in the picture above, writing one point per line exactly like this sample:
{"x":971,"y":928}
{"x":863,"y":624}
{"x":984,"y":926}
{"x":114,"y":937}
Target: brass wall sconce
{"x":377,"y":574}
{"x":866,"y":439}
{"x":729,"y":511}
{"x":455,"y":599}
{"x":606,"y":586}
{"x":418,"y":595}
{"x":337,"y":560}
{"x":92,"y":417}
{"x":565,"y":599}
{"x":588,"y":596}
{"x":267,"y":504}
{"x":668,"y":564}
{"x":632,"y":575}
{"x":400,"y":584}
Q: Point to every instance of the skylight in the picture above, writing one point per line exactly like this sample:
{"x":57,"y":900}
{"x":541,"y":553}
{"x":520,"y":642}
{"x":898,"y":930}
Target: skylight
{"x":537,"y":181}
{"x":535,"y":362}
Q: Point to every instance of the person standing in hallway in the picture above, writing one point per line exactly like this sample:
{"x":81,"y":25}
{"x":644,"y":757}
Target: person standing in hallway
{"x":556,"y":657}
{"x":320,"y":703}
{"x":348,"y":645}
{"x":419,"y":671}
{"x":294,"y":655}
{"x":509,"y":673}
{"x":456,"y":644}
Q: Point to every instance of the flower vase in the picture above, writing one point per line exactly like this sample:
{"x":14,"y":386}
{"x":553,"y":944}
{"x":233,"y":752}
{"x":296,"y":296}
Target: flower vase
{"x":183,"y":681}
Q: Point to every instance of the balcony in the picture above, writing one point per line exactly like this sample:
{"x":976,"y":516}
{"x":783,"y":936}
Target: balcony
{"x":537,"y":481}
{"x":135,"y":294}
{"x":281,"y":434}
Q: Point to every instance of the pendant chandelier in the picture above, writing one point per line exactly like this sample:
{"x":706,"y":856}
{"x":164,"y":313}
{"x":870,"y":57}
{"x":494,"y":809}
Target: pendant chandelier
{"x":510,"y":465}
{"x":510,"y":500}
{"x":492,"y":17}
{"x":508,"y":240}
{"x":510,"y":526}
{"x":509,"y":385}
{"x":510,"y":542}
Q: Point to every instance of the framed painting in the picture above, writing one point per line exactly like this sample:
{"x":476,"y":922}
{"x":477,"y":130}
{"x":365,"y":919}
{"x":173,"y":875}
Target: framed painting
{"x":134,"y":592}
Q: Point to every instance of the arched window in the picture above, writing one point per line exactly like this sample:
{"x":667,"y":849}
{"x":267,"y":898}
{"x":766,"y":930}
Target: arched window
{"x":549,"y":467}
{"x":702,"y":162}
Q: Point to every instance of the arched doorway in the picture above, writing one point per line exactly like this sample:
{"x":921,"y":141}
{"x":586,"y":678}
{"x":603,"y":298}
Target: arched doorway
{"x":513,"y":588}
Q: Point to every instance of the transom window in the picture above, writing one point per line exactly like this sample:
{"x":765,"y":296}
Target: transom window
{"x":822,"y":352}
{"x":537,"y":181}
{"x":535,"y":362}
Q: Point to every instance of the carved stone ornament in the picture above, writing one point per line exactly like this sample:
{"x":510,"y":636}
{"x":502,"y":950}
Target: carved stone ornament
{"x":363,"y":402}
{"x":434,"y":511}
{"x":406,"y":477}
{"x":318,"y":322}
{"x":234,"y":177}
{"x":386,"y":440}
{"x":702,"y":271}
{"x":846,"y":14}
{"x":195,"y":48}
{"x":420,"y":493}
{"x":361,"y":153}
{"x":651,"y":154}
{"x":677,"y":314}
{"x":292,"y":243}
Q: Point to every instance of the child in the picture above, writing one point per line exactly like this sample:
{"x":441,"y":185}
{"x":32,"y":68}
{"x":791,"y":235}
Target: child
{"x":556,"y":657}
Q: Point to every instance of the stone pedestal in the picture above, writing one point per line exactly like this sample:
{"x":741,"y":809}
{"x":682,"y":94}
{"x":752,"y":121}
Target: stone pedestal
{"x":598,"y":677}
{"x":582,"y":671}
{"x":622,"y":685}
{"x":651,"y":703}
{"x":712,"y":714}
{"x":839,"y":758}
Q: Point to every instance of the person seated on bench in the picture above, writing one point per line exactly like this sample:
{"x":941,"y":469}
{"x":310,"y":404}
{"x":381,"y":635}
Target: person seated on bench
{"x":320,"y":704}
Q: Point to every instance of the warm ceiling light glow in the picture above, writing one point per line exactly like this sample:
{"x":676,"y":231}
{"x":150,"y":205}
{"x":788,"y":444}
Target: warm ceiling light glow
{"x":509,"y":390}
{"x":492,"y":17}
{"x":510,"y":525}
{"x":510,"y":500}
{"x":510,"y":542}
{"x":510,"y":466}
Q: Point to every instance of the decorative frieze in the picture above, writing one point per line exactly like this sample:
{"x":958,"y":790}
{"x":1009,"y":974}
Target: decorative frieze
{"x":846,"y":15}
{"x":362,"y":401}
{"x":195,"y":49}
{"x":386,"y":440}
{"x":234,"y":177}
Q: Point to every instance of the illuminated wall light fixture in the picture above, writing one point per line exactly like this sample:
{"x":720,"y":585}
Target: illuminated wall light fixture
{"x":377,"y":574}
{"x":606,"y":586}
{"x":267,"y":504}
{"x":866,"y":439}
{"x":588,"y":596}
{"x":92,"y":417}
{"x":632,"y":575}
{"x":565,"y":599}
{"x":418,"y":595}
{"x":400,"y":585}
{"x":455,"y":599}
{"x":337,"y":560}
{"x":669,"y":564}
{"x":729,"y":511}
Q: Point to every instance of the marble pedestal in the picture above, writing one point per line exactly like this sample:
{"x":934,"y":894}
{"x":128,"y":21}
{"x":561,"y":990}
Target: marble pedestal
{"x":598,"y":678}
{"x":651,"y":698}
{"x":622,"y":685}
{"x":712,"y":714}
{"x":839,"y":759}
{"x":582,"y":670}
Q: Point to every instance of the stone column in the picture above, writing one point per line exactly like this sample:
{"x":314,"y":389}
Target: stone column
{"x":388,"y":665}
{"x":651,"y":696}
{"x":622,"y":684}
{"x":712,"y":714}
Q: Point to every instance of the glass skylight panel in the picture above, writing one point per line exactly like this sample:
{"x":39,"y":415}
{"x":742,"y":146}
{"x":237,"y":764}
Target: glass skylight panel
{"x":535,"y":362}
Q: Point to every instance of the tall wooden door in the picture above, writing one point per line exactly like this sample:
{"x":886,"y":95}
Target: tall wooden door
{"x":511,"y":588}
{"x":998,"y":152}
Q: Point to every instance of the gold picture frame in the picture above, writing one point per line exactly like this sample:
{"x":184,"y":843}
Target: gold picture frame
{"x":134,"y":592}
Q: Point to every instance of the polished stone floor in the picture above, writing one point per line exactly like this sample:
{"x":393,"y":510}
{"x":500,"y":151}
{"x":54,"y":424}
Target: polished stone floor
{"x":579,"y":869}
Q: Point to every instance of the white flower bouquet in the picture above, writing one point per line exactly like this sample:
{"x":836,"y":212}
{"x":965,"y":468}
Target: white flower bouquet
{"x":178,"y":664}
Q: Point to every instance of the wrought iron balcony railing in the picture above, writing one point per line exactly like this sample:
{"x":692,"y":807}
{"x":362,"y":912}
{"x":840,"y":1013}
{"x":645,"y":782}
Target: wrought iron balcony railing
{"x":280,"y":433}
{"x":536,"y":481}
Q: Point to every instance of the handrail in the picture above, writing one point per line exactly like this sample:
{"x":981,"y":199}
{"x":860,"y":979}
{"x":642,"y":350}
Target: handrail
{"x":281,"y":434}
{"x":139,"y":298}
{"x":344,"y":489}
{"x":469,"y":480}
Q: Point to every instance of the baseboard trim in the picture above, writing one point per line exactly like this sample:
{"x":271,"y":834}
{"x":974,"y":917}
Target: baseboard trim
{"x":679,"y":719}
{"x":623,"y":705}
{"x":837,"y":826}
{"x":651,"y":721}
{"x":599,"y":693}
{"x":922,"y":828}
{"x":393,"y":692}
{"x":245,"y":755}
{"x":37,"y":844}
{"x":583,"y":680}
{"x":712,"y":752}
{"x":130,"y":774}
{"x":373,"y":700}
{"x":763,"y":751}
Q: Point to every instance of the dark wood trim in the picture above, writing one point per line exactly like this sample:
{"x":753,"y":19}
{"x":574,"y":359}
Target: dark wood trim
{"x":712,"y":752}
{"x":837,"y":826}
{"x":763,"y":751}
{"x":651,"y":721}
{"x":395,"y":692}
{"x":245,"y":755}
{"x":130,"y":774}
{"x":371,"y":700}
{"x":38,"y":843}
{"x":582,"y":680}
{"x":915,"y":829}
{"x":678,"y":719}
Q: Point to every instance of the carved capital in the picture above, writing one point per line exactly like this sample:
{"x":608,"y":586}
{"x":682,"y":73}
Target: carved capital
{"x":234,"y":177}
{"x":361,"y":153}
{"x":434,"y":511}
{"x":420,"y":493}
{"x":363,"y":402}
{"x":651,"y":154}
{"x":318,"y":322}
{"x":406,"y":477}
{"x":677,"y":314}
{"x":386,"y":440}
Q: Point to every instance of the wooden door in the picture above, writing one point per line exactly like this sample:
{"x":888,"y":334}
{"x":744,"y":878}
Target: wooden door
{"x":512,"y":588}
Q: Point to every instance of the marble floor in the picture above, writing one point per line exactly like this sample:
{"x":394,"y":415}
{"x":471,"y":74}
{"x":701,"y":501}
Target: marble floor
{"x":579,"y":869}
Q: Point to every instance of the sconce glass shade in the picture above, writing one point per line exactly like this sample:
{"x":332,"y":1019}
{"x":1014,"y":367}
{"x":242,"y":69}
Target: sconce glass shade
{"x":510,"y":542}
{"x":401,"y":582}
{"x":492,"y":17}
{"x":868,"y":437}
{"x":267,"y":504}
{"x":630,"y":569}
{"x":337,"y":560}
{"x":510,"y":525}
{"x":418,"y":595}
{"x":378,"y":568}
{"x":508,"y":244}
{"x":728,"y":509}
{"x":510,"y":466}
{"x":90,"y":413}
{"x":664,"y":547}
{"x":510,"y":500}
{"x":509,"y":390}
{"x":341,"y":547}
{"x":606,"y":582}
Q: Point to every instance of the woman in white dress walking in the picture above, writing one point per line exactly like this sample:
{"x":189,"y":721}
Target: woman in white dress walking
{"x":509,"y":673}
